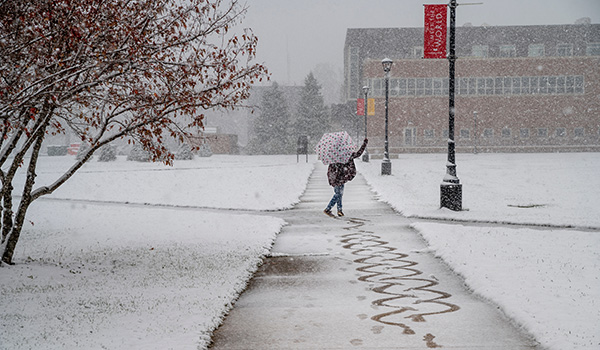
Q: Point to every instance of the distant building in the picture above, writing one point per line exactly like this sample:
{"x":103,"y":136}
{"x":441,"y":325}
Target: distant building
{"x":518,"y":88}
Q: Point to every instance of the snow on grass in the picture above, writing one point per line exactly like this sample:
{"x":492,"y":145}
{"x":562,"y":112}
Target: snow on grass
{"x":544,"y":278}
{"x":97,"y":275}
{"x":547,"y":280}
{"x":220,"y":181}
{"x":542,"y":188}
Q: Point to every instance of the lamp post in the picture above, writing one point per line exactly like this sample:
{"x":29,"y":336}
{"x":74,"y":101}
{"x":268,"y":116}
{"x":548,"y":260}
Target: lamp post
{"x":451,"y":188}
{"x":475,"y":132}
{"x":386,"y":165}
{"x":365,"y":156}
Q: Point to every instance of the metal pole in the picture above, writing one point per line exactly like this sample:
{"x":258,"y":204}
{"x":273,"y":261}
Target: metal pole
{"x":365,"y":156}
{"x":451,"y":189}
{"x":475,"y":132}
{"x":386,"y":165}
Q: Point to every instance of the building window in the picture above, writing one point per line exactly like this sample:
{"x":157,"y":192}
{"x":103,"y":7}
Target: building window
{"x":543,"y":85}
{"x":428,"y":133}
{"x":508,"y":51}
{"x":579,"y":84}
{"x":354,"y":72}
{"x":420,"y":86}
{"x":472,"y":86}
{"x":542,"y":132}
{"x":410,"y":86}
{"x":524,"y":133}
{"x":561,"y":85}
{"x":535,"y":50}
{"x":479,"y":51}
{"x":525,"y":85}
{"x":489,"y":86}
{"x":506,"y":132}
{"x":551,"y":85}
{"x":516,"y":86}
{"x":498,"y":86}
{"x":480,"y":86}
{"x":570,"y":85}
{"x":393,"y":87}
{"x":534,"y":85}
{"x":378,"y":87}
{"x":488,"y":133}
{"x":578,"y":132}
{"x":401,"y":87}
{"x":428,"y":87}
{"x":507,"y":86}
{"x":592,"y":49}
{"x":410,"y":135}
{"x":561,"y":132}
{"x":462,"y":87}
{"x":445,"y":133}
{"x":438,"y":86}
{"x":564,"y":49}
{"x":464,"y":133}
{"x":417,"y":51}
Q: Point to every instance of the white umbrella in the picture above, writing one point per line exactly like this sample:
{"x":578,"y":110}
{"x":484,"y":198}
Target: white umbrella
{"x":335,"y":147}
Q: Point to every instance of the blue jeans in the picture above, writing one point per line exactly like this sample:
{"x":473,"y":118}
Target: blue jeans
{"x":337,"y":198}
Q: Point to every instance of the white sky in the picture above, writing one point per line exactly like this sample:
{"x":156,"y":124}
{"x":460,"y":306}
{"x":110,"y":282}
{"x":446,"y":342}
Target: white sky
{"x":312,"y":32}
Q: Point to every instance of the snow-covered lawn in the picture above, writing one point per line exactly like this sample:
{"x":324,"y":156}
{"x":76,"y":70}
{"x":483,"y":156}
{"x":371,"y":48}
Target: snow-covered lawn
{"x":548,"y":189}
{"x":150,"y":269}
{"x":131,"y":255}
{"x":545,"y":278}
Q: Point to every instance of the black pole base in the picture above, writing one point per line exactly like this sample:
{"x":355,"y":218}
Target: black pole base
{"x":386,"y":168}
{"x":451,"y":196}
{"x":365,"y":157}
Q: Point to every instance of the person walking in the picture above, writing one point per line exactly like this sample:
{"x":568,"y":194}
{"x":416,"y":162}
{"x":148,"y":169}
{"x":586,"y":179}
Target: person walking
{"x":338,"y":174}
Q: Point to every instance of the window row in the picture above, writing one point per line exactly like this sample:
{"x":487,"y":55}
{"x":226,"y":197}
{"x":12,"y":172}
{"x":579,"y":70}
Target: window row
{"x":479,"y":86}
{"x":507,"y":133}
{"x":533,"y":50}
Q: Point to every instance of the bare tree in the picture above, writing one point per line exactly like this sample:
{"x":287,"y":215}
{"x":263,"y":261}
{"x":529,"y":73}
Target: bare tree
{"x":110,"y":69}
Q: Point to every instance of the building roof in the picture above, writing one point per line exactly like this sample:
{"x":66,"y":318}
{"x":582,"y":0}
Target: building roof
{"x":400,"y":42}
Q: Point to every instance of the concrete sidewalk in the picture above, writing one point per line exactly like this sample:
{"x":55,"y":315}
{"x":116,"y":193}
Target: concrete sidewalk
{"x":362,"y":282}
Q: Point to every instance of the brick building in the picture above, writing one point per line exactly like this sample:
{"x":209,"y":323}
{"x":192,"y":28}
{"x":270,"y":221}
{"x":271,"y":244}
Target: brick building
{"x":518,"y":88}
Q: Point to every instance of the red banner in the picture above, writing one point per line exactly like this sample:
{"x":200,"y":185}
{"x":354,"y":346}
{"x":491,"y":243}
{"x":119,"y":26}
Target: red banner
{"x":360,"y":106}
{"x":435,"y":44}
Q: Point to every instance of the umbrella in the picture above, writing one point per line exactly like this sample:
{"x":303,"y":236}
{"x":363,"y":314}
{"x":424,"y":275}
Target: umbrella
{"x":335,"y":147}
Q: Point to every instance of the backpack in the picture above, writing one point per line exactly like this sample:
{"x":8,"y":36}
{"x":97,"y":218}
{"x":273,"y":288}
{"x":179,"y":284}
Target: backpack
{"x":340,"y":173}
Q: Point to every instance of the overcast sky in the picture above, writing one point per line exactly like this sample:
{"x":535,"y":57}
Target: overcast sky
{"x":297,"y":35}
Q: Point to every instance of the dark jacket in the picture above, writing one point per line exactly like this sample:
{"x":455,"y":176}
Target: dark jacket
{"x":340,"y":173}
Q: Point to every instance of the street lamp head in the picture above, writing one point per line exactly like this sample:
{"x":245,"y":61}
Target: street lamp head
{"x":365,"y":89}
{"x":387,"y":64}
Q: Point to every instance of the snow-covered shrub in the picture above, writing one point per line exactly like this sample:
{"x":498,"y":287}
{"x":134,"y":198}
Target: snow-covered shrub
{"x":138,"y":154}
{"x":184,"y":152}
{"x":204,"y":150}
{"x":108,"y":153}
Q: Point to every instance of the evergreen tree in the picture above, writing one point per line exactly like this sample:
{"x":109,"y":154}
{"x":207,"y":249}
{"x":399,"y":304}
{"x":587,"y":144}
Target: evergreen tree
{"x":271,"y":127}
{"x":312,"y":117}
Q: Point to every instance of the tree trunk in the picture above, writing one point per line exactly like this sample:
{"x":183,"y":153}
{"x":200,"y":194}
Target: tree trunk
{"x":26,"y":200}
{"x":7,"y":212}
